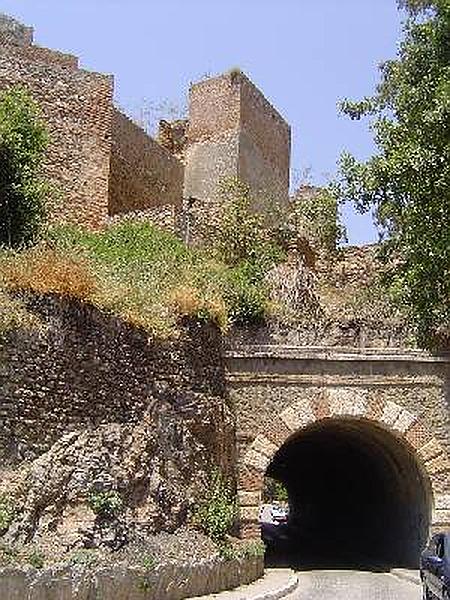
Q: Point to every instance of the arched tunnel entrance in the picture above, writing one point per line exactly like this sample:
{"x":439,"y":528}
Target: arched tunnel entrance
{"x":357,"y":497}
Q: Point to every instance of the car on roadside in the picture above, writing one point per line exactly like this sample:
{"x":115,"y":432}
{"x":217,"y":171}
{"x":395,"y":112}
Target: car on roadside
{"x":435,"y":568}
{"x":273,"y":514}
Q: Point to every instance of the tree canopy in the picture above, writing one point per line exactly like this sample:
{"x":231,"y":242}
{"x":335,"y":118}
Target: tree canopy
{"x":23,"y":140}
{"x":407,"y":182}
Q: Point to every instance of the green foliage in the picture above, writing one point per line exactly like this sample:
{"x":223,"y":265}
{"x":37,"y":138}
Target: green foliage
{"x":149,"y":562}
{"x":7,"y":513}
{"x":36,"y":559}
{"x":151,"y":278}
{"x":242,"y":233}
{"x":407,"y":182}
{"x":274,"y":491}
{"x":23,"y":140}
{"x":226,"y":550}
{"x":84,"y":557}
{"x":216,"y":514}
{"x":314,"y":215}
{"x":106,"y":504}
{"x":253,"y":549}
{"x":9,"y":555}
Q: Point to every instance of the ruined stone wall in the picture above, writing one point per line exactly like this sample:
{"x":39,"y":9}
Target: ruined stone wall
{"x":234,"y":132}
{"x":77,"y":108}
{"x":264,"y":156}
{"x":13,"y":32}
{"x":143,"y":173}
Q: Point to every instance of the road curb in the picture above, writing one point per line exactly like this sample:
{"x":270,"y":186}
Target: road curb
{"x":406,"y":575}
{"x":281,"y":592}
{"x":275,"y":584}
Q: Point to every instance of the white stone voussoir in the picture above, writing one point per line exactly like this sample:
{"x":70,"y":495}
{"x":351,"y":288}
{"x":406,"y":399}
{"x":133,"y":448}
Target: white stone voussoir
{"x":404,"y":421}
{"x":249,"y":498}
{"x":263,"y":445}
{"x":391,"y":412}
{"x":298,"y":415}
{"x":257,"y":460}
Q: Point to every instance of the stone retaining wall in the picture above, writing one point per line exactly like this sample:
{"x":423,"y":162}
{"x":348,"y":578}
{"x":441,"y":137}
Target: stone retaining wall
{"x":166,"y":582}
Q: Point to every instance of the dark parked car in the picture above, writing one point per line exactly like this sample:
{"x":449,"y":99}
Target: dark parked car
{"x":435,"y":568}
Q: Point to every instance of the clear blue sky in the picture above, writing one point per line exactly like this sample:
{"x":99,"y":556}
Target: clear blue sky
{"x":305,"y":55}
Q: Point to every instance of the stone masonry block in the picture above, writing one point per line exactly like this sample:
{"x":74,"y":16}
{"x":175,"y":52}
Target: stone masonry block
{"x":276,"y":430}
{"x":299,"y":415}
{"x":390,"y":414}
{"x":404,"y":421}
{"x":417,"y":435}
{"x":442,"y":518}
{"x":249,"y":513}
{"x":263,"y":445}
{"x":250,"y":479}
{"x":257,"y":460}
{"x":440,"y":483}
{"x":430,"y":449}
{"x":347,"y":402}
{"x":249,"y":498}
{"x":439,"y":464}
{"x":442,"y":502}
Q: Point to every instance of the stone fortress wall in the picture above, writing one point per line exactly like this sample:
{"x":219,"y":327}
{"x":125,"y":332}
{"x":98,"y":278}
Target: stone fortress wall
{"x":106,"y":167}
{"x":99,"y":161}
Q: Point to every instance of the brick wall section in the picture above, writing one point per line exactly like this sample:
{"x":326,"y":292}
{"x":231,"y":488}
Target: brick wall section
{"x":143,"y":173}
{"x":234,"y":132}
{"x":264,"y":156}
{"x":77,"y":107}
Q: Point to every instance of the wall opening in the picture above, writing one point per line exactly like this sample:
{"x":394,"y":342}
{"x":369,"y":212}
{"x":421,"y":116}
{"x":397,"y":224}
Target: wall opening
{"x":357,"y":498}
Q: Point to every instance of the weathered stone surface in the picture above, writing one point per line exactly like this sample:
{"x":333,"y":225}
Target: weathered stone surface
{"x":167,"y":582}
{"x":347,"y":401}
{"x":300,"y":414}
{"x":95,"y":405}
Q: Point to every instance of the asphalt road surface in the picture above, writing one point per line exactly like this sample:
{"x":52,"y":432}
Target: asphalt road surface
{"x":353,"y":585}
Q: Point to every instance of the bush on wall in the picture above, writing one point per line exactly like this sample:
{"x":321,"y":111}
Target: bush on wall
{"x":23,"y":140}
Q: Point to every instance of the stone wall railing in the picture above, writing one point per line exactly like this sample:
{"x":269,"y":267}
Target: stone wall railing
{"x":165,"y":582}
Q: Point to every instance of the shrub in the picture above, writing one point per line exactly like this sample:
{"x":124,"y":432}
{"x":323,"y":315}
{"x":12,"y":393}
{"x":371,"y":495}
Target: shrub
{"x":274,"y":491}
{"x":253,"y":549}
{"x":7,"y":513}
{"x":9,"y":555}
{"x":23,"y":140}
{"x":216,"y":514}
{"x":148,"y":562}
{"x":106,"y":504}
{"x":84,"y":557}
{"x":36,"y":559}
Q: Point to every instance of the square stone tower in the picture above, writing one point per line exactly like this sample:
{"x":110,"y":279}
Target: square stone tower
{"x":234,"y":132}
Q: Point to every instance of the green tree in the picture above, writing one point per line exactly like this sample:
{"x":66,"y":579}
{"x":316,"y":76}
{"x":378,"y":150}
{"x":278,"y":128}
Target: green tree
{"x":407,"y":183}
{"x":23,"y":193}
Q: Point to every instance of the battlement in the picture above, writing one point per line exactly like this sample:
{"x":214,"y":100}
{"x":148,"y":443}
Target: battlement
{"x":13,"y":32}
{"x":107,"y":167}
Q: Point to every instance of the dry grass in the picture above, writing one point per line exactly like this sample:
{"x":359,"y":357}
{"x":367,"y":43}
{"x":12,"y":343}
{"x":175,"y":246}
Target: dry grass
{"x":46,"y":271}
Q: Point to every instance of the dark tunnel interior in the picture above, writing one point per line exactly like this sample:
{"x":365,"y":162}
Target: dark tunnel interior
{"x":357,"y":498}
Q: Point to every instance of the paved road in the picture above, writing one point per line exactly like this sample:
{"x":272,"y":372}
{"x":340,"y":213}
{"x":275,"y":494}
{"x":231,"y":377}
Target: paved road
{"x":353,"y":585}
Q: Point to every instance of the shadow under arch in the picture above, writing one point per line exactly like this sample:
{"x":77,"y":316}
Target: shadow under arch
{"x":359,"y":497}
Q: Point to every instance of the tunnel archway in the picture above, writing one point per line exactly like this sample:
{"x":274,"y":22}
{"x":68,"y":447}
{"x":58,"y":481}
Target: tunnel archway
{"x":357,"y":497}
{"x":366,"y":478}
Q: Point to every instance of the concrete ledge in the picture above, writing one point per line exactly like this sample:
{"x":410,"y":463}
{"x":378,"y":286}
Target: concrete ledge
{"x":117,"y":582}
{"x":407,"y":575}
{"x":337,"y":353}
{"x":276,"y":584}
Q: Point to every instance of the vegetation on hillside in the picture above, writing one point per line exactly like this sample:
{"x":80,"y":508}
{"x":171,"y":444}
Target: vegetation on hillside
{"x":408,"y":181}
{"x":145,"y":275}
{"x":23,"y":193}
